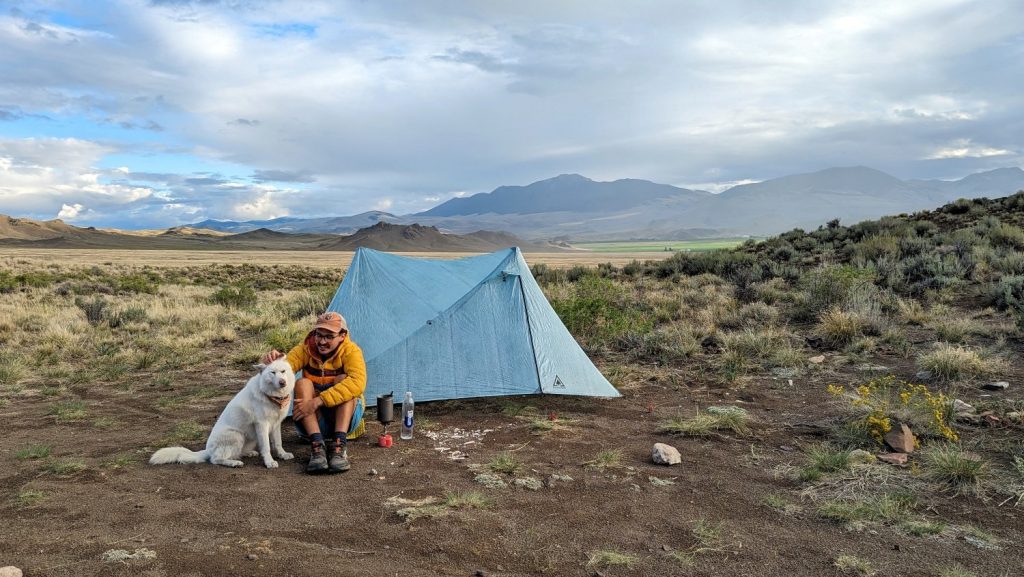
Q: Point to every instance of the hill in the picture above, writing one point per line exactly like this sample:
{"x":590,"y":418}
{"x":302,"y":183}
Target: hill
{"x":381,"y":236}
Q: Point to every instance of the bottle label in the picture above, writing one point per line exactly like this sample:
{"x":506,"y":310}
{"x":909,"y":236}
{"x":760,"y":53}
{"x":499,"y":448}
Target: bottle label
{"x":408,"y":419}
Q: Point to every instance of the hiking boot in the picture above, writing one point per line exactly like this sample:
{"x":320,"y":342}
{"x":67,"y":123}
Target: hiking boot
{"x":339,"y":458}
{"x":317,"y":459}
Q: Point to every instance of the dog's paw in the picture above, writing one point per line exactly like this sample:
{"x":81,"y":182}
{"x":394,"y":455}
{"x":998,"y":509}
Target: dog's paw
{"x":253,"y":453}
{"x":270,"y":463}
{"x":285,"y":456}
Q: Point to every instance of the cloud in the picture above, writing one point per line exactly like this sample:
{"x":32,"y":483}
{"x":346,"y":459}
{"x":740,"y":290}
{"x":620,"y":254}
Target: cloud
{"x":411,"y":101}
{"x":282,"y":176}
{"x":69,"y":211}
{"x":963,"y":148}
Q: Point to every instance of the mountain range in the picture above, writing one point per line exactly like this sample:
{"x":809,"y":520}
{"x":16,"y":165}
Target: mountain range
{"x":23,"y":232}
{"x":573,"y":207}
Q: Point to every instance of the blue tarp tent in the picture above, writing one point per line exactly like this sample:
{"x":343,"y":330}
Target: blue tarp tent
{"x":456,"y":328}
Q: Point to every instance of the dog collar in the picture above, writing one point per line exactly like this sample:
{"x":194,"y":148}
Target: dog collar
{"x":273,"y":399}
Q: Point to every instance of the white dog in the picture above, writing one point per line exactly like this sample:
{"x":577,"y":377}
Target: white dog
{"x":252,"y":420}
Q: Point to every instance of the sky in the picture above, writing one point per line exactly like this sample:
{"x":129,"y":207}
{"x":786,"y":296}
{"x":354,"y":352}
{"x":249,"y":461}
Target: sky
{"x":152,"y":114}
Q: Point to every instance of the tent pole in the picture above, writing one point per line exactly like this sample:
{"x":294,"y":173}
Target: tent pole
{"x":529,"y":330}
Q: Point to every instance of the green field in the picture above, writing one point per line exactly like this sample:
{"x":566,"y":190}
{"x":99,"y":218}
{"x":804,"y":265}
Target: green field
{"x":661,"y":246}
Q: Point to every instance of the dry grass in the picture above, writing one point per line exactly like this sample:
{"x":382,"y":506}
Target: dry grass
{"x":713,"y":419}
{"x":950,"y":362}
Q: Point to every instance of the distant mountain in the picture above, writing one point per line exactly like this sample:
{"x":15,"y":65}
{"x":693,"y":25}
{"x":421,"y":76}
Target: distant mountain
{"x":564,"y":193}
{"x":414,"y":237}
{"x":328,"y":225}
{"x":573,"y":207}
{"x":382,"y":236}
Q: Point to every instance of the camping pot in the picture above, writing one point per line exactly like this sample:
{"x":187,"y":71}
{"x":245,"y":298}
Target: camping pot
{"x":386,"y":408}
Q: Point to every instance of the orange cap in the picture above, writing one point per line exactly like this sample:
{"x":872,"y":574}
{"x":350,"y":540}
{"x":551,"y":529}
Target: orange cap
{"x":331,"y":321}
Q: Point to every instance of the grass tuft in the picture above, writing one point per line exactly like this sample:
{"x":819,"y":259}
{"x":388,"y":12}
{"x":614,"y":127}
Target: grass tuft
{"x":608,"y":459}
{"x":950,"y":363}
{"x":29,"y":498}
{"x":68,"y":411}
{"x":609,"y":558}
{"x":961,"y":471}
{"x":504,"y":462}
{"x":853,"y":565}
{"x":34,"y":452}
{"x":733,"y":419}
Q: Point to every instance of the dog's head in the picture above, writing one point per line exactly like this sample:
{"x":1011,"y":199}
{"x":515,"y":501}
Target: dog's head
{"x":277,"y":379}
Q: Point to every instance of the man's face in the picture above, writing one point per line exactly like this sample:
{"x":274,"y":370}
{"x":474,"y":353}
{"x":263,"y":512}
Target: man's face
{"x":326,"y":341}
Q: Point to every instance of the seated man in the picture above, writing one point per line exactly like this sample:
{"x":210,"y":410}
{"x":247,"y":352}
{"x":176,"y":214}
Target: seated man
{"x":330,"y":393}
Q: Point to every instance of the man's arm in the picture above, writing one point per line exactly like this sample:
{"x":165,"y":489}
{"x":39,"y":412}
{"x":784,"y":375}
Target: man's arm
{"x":354,"y":382}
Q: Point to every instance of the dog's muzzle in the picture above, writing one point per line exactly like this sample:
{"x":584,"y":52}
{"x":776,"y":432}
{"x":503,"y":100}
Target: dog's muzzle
{"x":282,"y":383}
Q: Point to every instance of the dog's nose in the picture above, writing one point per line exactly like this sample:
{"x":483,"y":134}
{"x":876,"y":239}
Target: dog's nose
{"x":281,"y":383}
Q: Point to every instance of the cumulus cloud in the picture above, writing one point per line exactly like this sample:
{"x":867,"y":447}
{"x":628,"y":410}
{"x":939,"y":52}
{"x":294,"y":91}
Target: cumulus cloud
{"x":69,"y":211}
{"x":351,"y":102}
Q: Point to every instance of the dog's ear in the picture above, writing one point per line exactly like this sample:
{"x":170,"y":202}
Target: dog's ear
{"x":259,"y":367}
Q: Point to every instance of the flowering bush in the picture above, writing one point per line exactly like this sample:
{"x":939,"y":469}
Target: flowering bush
{"x":881,"y":402}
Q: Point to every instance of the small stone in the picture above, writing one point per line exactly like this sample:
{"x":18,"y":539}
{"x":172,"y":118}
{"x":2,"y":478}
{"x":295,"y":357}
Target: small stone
{"x":252,"y":557}
{"x":893,"y":458}
{"x":784,"y":372}
{"x":923,"y":376}
{"x":184,"y":540}
{"x":372,"y":473}
{"x":902,"y":440}
{"x":787,"y":448}
{"x":10,"y":571}
{"x":663,"y":454}
{"x":997,"y":386}
{"x":860,"y":456}
{"x":962,"y":408}
{"x":817,"y":360}
{"x":490,"y":480}
{"x":480,"y":573}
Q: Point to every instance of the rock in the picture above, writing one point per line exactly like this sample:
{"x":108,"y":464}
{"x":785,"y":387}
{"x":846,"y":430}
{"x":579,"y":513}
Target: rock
{"x":860,"y":456}
{"x":817,"y":360}
{"x":784,"y":372}
{"x":902,"y":440}
{"x":893,"y":458}
{"x":997,"y":386}
{"x":663,"y":454}
{"x":252,"y":557}
{"x":480,"y":573}
{"x":555,"y":478}
{"x":10,"y":571}
{"x":869,"y":368}
{"x":923,"y":376}
{"x":1015,"y":416}
{"x":962,"y":408}
{"x":372,"y":473}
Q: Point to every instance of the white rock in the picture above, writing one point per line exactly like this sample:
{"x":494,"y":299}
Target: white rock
{"x":10,"y":571}
{"x":663,"y":454}
{"x":997,"y":386}
{"x":960,"y":407}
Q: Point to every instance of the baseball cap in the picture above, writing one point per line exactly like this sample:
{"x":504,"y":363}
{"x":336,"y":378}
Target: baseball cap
{"x":331,"y":321}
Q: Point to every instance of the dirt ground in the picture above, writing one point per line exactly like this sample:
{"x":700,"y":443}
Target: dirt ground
{"x":208,"y":520}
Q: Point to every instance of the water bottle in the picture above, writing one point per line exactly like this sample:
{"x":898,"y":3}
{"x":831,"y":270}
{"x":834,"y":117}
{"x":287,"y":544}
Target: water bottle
{"x":407,"y":406}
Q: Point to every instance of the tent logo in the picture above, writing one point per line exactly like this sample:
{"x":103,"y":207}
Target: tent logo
{"x":558,"y":384}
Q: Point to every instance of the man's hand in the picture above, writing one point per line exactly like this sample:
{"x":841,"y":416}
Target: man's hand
{"x":271,"y":357}
{"x":306,"y":407}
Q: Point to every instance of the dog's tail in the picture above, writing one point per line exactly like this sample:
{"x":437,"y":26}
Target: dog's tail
{"x":170,"y":455}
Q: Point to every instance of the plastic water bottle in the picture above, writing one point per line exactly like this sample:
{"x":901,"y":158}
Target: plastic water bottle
{"x":407,"y":407}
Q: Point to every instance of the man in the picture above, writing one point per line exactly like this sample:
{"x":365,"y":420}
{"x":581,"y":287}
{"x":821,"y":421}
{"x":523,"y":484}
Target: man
{"x":329,"y":396}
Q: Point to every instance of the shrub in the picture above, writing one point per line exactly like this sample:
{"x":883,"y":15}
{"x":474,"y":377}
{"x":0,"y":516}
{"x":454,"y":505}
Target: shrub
{"x":600,"y":312}
{"x":138,"y":283}
{"x":94,"y":309}
{"x":878,"y":403}
{"x":839,"y":328}
{"x":949,"y":362}
{"x":504,"y":462}
{"x":234,"y":297}
{"x":832,"y":286}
